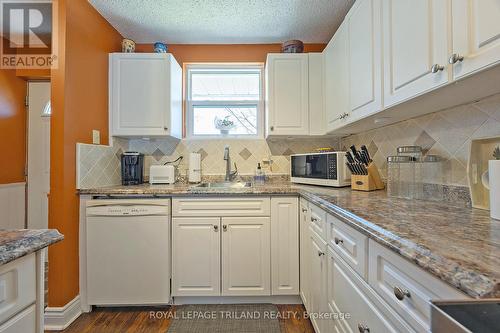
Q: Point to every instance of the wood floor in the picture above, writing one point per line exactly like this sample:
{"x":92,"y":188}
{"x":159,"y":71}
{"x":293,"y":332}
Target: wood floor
{"x":135,"y":320}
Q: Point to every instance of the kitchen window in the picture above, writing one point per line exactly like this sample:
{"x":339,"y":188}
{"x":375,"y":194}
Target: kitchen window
{"x":224,"y":101}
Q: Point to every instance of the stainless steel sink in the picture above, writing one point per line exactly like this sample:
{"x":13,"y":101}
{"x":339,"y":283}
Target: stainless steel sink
{"x":223,"y":185}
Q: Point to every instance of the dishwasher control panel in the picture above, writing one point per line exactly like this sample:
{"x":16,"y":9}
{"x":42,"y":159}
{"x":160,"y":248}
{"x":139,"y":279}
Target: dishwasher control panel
{"x":98,"y":208}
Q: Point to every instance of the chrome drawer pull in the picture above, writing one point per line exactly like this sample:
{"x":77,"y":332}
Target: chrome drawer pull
{"x":313,"y":219}
{"x":216,"y":228}
{"x":339,"y":241}
{"x":363,"y":328}
{"x":304,"y":210}
{"x":224,"y":227}
{"x":401,"y":293}
{"x":321,"y":253}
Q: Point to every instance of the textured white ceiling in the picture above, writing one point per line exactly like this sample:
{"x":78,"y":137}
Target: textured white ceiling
{"x":224,"y":21}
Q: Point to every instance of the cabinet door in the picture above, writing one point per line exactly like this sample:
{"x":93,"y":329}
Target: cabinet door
{"x":415,"y":38}
{"x":317,"y":280}
{"x":139,"y":94}
{"x":287,"y":94}
{"x":476,"y":34}
{"x":337,"y":79}
{"x":196,"y":256}
{"x":365,"y":63}
{"x":350,"y":294}
{"x":317,"y":124}
{"x":304,"y":253}
{"x":285,"y":245}
{"x":246,"y":256}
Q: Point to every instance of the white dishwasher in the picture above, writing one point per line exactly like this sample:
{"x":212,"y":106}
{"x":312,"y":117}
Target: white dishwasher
{"x":128,"y":251}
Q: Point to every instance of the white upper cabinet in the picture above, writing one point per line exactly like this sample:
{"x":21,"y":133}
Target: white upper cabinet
{"x":415,"y":47}
{"x":287,"y":94}
{"x":365,"y":63}
{"x":336,"y":61}
{"x":317,"y":124}
{"x":145,"y":95}
{"x":476,"y":35}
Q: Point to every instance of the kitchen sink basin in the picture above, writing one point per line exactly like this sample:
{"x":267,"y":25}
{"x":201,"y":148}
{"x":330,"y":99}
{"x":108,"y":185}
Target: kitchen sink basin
{"x":228,"y":185}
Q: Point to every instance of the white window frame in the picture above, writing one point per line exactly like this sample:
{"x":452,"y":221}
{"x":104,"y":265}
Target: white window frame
{"x":224,"y":68}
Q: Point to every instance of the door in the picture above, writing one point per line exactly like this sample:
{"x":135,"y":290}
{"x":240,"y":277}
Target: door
{"x":304,"y":254}
{"x":337,"y":79}
{"x":285,"y":245}
{"x":38,"y":154}
{"x":317,"y":280}
{"x":287,"y":94}
{"x":415,"y":47}
{"x":139,"y":98}
{"x":246,"y":256}
{"x":476,"y":35}
{"x":196,"y":256}
{"x":365,"y":65}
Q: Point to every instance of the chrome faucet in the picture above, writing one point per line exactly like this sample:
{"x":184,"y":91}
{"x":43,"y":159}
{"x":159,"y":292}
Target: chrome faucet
{"x":230,"y":175}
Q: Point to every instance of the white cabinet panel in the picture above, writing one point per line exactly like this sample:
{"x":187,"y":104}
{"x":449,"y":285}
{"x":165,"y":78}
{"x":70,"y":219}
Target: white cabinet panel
{"x":317,"y":280}
{"x":317,"y":124}
{"x":350,"y":294}
{"x":318,"y":221}
{"x":415,"y":35}
{"x":246,"y":256}
{"x":304,"y":253}
{"x":287,"y":92}
{"x":365,"y":63}
{"x":145,"y":95}
{"x":336,"y":61}
{"x":476,"y":34}
{"x":196,"y":256}
{"x":23,"y":322}
{"x":209,"y":206}
{"x":285,"y":245}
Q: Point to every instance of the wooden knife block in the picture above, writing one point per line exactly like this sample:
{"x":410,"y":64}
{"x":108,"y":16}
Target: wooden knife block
{"x":369,"y":182}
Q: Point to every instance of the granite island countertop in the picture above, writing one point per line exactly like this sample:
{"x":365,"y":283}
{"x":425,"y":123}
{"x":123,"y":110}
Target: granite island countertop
{"x":459,"y":245}
{"x":18,"y":243}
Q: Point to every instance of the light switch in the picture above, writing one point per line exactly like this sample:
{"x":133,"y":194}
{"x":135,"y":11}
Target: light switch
{"x":96,"y":137}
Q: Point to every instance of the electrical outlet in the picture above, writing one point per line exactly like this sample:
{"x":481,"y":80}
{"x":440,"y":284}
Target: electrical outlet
{"x":96,"y":137}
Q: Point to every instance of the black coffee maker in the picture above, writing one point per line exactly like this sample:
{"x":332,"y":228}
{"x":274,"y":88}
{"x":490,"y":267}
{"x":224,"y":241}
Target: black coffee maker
{"x":132,"y":168}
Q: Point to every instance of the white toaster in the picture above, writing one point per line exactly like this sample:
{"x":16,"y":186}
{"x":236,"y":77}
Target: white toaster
{"x":161,"y":174}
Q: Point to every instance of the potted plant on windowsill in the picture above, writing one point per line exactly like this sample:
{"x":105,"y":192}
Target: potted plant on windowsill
{"x":224,"y":125}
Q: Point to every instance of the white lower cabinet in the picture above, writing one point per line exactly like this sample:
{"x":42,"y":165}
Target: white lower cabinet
{"x":317,"y":280}
{"x":195,"y":256}
{"x":304,"y":252}
{"x":246,"y":256}
{"x":364,"y":310}
{"x":23,"y":322}
{"x":285,"y":245}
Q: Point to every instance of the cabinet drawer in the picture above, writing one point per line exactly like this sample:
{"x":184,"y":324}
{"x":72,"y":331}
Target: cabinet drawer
{"x":318,"y":221}
{"x":24,"y":322}
{"x":17,"y":286}
{"x":219,"y":207}
{"x":406,"y":287}
{"x":352,"y":295}
{"x":350,"y":244}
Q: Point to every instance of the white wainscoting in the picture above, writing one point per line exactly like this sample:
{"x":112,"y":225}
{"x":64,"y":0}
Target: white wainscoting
{"x":12,"y":206}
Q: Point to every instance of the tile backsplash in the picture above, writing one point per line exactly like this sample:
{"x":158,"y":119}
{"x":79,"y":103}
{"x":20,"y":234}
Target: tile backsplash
{"x":245,"y":153}
{"x":447,"y":133}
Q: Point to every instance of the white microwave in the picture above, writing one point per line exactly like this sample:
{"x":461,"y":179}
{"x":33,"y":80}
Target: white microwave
{"x":326,"y":169}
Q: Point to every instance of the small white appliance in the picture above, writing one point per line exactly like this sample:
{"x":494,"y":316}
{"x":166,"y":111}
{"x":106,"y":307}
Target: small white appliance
{"x":128,"y":251}
{"x":326,"y":169}
{"x":162,"y":174}
{"x":194,"y":173}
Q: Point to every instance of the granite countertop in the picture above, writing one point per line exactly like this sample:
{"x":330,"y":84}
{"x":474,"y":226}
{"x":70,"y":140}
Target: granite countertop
{"x":459,"y":245}
{"x":18,"y":243}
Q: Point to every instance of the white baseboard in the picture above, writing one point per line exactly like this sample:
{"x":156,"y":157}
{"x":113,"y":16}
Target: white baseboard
{"x":284,"y":299}
{"x":59,"y":318}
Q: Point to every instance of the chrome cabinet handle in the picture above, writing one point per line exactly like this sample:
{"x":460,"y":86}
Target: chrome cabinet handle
{"x":216,"y":228}
{"x":338,"y":241}
{"x":437,"y":68}
{"x":272,"y":128}
{"x":313,"y":219}
{"x":165,"y":128}
{"x":363,"y":328}
{"x":401,"y":293}
{"x":321,"y":253}
{"x":455,"y":57}
{"x":224,"y":227}
{"x":304,"y":210}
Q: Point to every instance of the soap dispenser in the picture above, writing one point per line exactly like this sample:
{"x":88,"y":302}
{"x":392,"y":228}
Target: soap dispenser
{"x":260,"y":176}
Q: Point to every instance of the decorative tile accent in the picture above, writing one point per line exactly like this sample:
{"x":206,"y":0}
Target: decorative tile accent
{"x":203,"y":153}
{"x":425,"y":141}
{"x":157,"y":154}
{"x":97,"y":166}
{"x":447,"y":133}
{"x":245,"y":154}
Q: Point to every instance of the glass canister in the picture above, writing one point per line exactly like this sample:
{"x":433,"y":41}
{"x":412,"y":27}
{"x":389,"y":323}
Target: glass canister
{"x":413,"y":151}
{"x":401,"y":176}
{"x":430,"y":169}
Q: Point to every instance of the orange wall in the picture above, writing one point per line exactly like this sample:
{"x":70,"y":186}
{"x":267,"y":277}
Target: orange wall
{"x":185,"y":53}
{"x":79,"y":104}
{"x":12,"y":127}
